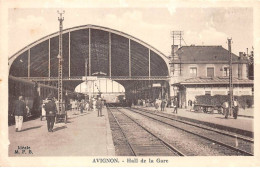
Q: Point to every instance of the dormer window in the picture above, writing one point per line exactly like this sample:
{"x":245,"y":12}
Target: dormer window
{"x":193,"y":71}
{"x":210,"y":71}
{"x":226,"y":71}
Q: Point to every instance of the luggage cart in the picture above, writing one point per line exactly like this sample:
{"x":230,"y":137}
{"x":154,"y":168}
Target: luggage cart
{"x":208,"y":108}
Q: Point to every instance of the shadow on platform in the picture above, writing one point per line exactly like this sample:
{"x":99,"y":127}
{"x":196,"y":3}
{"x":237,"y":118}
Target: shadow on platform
{"x":30,"y":128}
{"x":224,"y":117}
{"x":59,"y":128}
{"x":78,"y":115}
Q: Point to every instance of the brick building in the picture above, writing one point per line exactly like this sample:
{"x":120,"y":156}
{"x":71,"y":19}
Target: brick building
{"x":204,"y":70}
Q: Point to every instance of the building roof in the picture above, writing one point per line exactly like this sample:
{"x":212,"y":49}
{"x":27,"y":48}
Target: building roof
{"x":90,"y":50}
{"x":206,"y":54}
{"x":214,"y":80}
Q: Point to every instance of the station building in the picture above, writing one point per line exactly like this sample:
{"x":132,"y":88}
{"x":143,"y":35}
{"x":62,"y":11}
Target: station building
{"x":144,"y":71}
{"x":204,"y":70}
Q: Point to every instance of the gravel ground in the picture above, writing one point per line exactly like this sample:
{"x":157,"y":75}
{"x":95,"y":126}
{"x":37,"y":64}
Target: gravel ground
{"x":244,"y":145}
{"x":120,"y":143}
{"x":142,"y":142}
{"x":190,"y":145}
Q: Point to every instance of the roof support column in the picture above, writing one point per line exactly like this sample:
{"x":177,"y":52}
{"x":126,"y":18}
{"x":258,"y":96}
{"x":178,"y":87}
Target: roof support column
{"x":89,"y":50}
{"x":112,"y":86}
{"x":129,"y":57}
{"x":29,"y":62}
{"x":49,"y":58}
{"x":69,"y":54}
{"x":149,"y":63}
{"x":109,"y":53}
{"x":106,"y":85}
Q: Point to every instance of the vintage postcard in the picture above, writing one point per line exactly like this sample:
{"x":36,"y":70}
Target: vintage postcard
{"x":129,"y":83}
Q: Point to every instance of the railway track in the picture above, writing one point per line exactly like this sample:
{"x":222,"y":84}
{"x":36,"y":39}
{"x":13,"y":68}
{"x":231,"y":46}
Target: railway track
{"x":237,"y":143}
{"x":141,"y":141}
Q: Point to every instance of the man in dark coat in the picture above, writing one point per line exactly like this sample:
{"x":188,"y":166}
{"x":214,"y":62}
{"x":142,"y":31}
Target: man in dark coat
{"x":51,"y":111}
{"x":19,"y":112}
{"x":235,"y":109}
{"x":163,"y":105}
{"x":175,"y":106}
{"x":99,"y":107}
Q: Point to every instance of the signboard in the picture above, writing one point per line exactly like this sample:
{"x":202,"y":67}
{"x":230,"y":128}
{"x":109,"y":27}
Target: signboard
{"x":89,"y":78}
{"x":156,"y":85}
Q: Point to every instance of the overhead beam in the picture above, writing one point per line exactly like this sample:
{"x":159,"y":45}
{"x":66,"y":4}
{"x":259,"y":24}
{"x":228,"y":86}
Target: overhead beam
{"x":79,"y":78}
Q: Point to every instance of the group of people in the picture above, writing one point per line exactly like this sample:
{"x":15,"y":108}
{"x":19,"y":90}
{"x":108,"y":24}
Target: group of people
{"x":226,"y":108}
{"x":50,"y":109}
{"x":162,"y":104}
{"x":87,"y":105}
{"x":50,"y":106}
{"x":159,"y":104}
{"x":20,"y":110}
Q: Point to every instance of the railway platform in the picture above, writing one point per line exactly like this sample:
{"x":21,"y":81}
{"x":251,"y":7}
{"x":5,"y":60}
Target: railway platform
{"x":242,"y":125}
{"x":84,"y":135}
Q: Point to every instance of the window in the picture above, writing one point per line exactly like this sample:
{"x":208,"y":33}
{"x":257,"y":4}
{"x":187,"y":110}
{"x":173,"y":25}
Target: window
{"x":193,"y":71}
{"x":208,"y":93}
{"x":210,"y":71}
{"x":226,"y":72}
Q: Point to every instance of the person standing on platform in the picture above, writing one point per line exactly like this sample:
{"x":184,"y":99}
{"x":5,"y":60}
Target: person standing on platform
{"x":82,"y":105}
{"x":19,"y":112}
{"x":99,"y":107}
{"x":73,"y":105}
{"x":51,"y":110}
{"x":189,"y":105}
{"x":94,"y":104}
{"x":77,"y":105}
{"x":171,"y":104}
{"x":90,"y":104}
{"x":225,"y":107}
{"x":156,"y":105}
{"x":87,"y":106}
{"x":175,"y":106}
{"x":43,"y":109}
{"x":160,"y":103}
{"x":235,"y":105}
{"x":163,"y":105}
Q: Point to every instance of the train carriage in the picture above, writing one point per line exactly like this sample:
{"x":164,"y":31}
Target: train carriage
{"x":33,"y":94}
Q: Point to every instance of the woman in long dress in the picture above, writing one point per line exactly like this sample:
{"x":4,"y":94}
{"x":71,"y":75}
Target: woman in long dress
{"x":156,"y":105}
{"x":43,"y":109}
{"x":94,"y":104}
{"x":87,"y":106}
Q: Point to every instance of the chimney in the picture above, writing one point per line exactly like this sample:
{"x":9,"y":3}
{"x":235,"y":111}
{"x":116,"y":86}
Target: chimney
{"x":241,"y":54}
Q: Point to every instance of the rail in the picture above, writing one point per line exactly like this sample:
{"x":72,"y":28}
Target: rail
{"x":243,"y":152}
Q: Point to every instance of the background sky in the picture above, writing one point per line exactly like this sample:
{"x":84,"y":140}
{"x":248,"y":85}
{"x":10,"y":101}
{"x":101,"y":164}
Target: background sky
{"x":201,"y":26}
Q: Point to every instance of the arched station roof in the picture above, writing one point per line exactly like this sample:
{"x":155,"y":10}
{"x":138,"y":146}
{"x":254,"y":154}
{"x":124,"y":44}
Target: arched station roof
{"x":107,"y":52}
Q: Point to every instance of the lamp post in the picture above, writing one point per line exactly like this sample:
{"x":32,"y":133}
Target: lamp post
{"x":86,"y":72}
{"x":230,"y":78}
{"x":60,"y":87}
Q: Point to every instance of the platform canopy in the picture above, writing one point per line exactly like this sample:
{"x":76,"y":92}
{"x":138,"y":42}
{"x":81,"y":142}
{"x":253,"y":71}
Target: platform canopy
{"x":97,"y":50}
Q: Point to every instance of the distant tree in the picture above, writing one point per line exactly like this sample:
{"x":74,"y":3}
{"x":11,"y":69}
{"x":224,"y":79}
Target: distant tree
{"x":251,"y":65}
